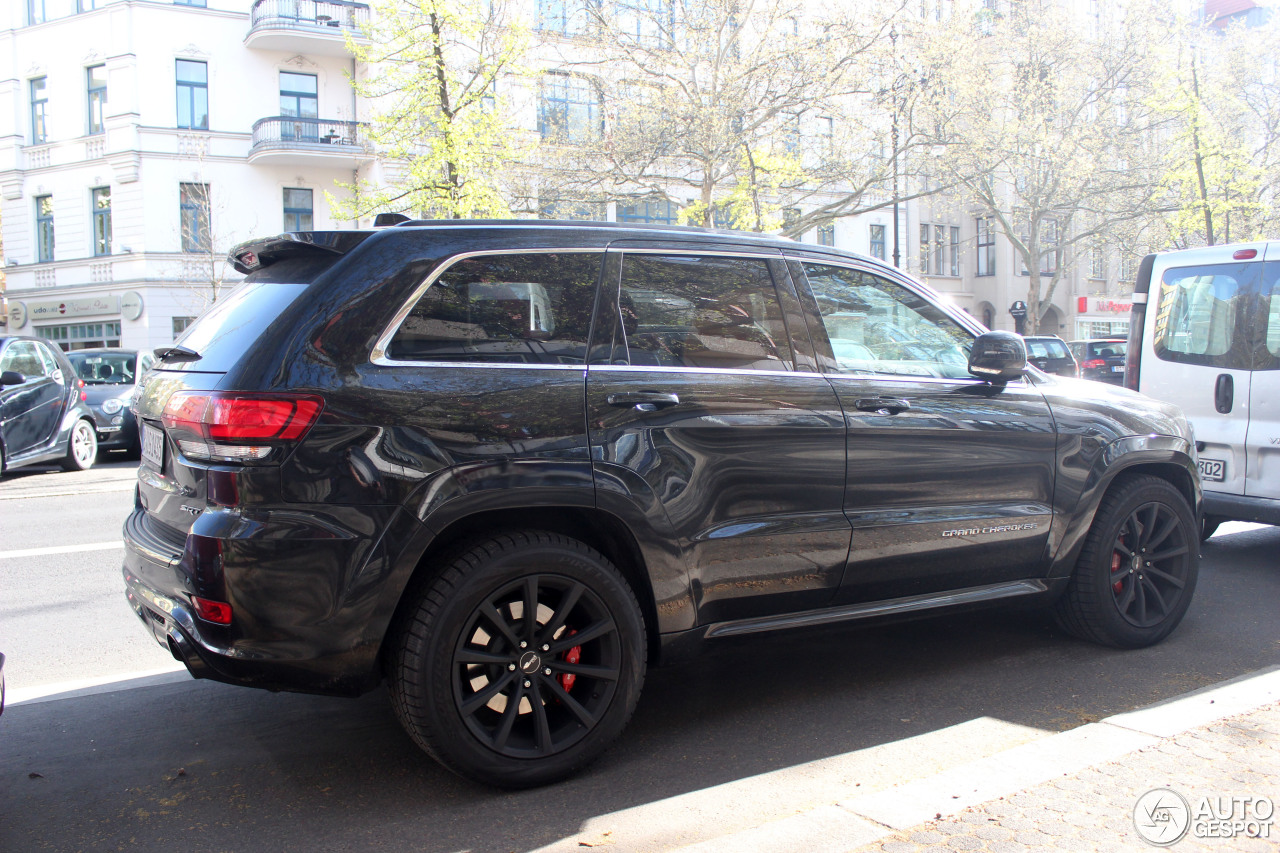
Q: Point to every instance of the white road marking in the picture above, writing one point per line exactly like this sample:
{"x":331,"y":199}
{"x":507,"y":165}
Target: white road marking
{"x":61,"y":549}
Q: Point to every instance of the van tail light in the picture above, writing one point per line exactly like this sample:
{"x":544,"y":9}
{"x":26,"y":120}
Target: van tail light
{"x":239,"y":427}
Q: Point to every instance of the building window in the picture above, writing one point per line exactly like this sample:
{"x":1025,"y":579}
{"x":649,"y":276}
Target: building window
{"x":199,"y":3}
{"x":193,"y":205}
{"x":35,"y":12}
{"x":572,"y":208}
{"x":96,"y":83}
{"x":297,"y":210}
{"x":566,"y":17}
{"x":87,"y":5}
{"x":877,"y":242}
{"x":82,"y":335}
{"x":1128,"y":267}
{"x":102,"y":221}
{"x":954,"y":250}
{"x":926,"y":240}
{"x":1097,"y":263}
{"x":193,"y":95}
{"x":298,"y":99}
{"x":39,"y":111}
{"x":569,"y":109}
{"x":180,"y":324}
{"x":648,"y":22}
{"x":44,"y":228}
{"x":651,"y":210}
{"x":940,"y":266}
{"x":826,"y":235}
{"x":986,"y":246}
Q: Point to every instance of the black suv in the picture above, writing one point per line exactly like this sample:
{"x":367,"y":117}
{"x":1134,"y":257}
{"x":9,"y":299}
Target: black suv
{"x":507,"y":465}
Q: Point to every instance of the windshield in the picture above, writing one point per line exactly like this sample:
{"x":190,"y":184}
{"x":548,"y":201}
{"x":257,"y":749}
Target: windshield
{"x":104,"y":368}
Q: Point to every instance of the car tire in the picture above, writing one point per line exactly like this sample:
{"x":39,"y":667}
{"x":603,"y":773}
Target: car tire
{"x":512,"y":715}
{"x":1136,"y":574}
{"x":1209,"y":526}
{"x":82,"y":447}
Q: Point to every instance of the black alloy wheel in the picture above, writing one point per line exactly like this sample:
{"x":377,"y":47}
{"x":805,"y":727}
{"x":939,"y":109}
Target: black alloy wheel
{"x":1137,"y":571}
{"x":536,"y":666}
{"x":520,"y":661}
{"x":1150,"y":562}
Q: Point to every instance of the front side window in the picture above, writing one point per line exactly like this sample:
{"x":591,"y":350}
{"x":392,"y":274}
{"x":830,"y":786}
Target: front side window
{"x":707,"y":312}
{"x":193,"y":209}
{"x":44,"y":228}
{"x":23,"y":357}
{"x":299,"y":100}
{"x":878,"y":327}
{"x":193,"y":94}
{"x":517,"y":308}
{"x":39,"y":111}
{"x":297,"y":210}
{"x":96,"y":84}
{"x":1197,"y":315}
{"x":102,"y":221}
{"x":877,"y":242}
{"x":569,"y":109}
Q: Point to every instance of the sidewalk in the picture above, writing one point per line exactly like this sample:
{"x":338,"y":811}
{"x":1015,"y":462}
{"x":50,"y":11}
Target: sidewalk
{"x":1076,"y":790}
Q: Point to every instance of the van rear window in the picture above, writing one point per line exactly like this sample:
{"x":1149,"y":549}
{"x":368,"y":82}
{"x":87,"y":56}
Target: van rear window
{"x":1198,"y":314}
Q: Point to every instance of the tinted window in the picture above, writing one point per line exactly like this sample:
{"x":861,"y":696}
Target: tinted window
{"x":1107,"y":349}
{"x":522,"y":308}
{"x":230,"y":326}
{"x":879,"y":327}
{"x":104,"y":368}
{"x":23,"y":357}
{"x":1197,"y":315}
{"x":1268,"y":357}
{"x":1041,"y":348}
{"x":695,"y":311}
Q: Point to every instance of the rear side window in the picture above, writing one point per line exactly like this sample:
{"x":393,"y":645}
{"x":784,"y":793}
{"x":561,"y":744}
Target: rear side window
{"x":1268,"y":357}
{"x":226,"y":331}
{"x":516,"y":308}
{"x":698,"y":311}
{"x":1200,"y":315}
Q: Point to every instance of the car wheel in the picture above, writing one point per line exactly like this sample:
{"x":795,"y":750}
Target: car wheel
{"x":1136,"y":574}
{"x":1209,"y":526}
{"x":82,"y":449}
{"x":521,"y":661}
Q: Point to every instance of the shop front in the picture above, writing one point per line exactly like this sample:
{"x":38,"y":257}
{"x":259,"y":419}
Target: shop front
{"x":1101,"y":317}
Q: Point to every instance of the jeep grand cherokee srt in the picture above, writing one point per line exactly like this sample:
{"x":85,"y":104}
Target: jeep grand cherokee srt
{"x":507,"y":465}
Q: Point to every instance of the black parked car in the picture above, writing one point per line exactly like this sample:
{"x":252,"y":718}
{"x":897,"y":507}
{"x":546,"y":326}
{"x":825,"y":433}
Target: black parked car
{"x":1050,"y":354}
{"x":43,"y":415}
{"x":506,"y":465}
{"x":110,"y":376}
{"x":1101,"y":359}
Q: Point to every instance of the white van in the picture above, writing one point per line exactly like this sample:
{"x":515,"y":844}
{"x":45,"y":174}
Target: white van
{"x":1205,"y":335}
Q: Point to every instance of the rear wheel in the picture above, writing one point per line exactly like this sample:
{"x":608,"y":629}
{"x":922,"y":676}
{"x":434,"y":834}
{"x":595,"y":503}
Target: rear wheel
{"x":521,"y":661}
{"x":1137,"y":572}
{"x":82,"y":449}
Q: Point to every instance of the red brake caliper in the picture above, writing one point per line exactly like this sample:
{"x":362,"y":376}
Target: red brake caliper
{"x":1116,"y":560}
{"x":574,"y":655}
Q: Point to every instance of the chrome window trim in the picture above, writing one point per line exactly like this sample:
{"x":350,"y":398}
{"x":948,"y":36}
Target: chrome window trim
{"x":754,"y":254}
{"x":641,"y":368}
{"x":379,"y":354}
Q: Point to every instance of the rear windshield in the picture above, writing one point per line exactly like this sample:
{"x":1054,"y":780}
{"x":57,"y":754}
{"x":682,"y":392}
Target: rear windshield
{"x":1108,"y":349}
{"x":1039,"y":348}
{"x":227,"y":329}
{"x":104,"y":368}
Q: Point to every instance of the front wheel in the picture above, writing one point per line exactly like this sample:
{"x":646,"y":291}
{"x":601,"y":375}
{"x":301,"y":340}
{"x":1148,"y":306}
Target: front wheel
{"x":521,"y":661}
{"x":1136,"y":574}
{"x":82,"y":449}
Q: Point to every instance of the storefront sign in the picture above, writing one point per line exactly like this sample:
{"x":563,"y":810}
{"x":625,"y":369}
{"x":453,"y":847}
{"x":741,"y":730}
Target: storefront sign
{"x":131,"y":305}
{"x":74,"y":307}
{"x":17,"y":315}
{"x":1102,"y":305}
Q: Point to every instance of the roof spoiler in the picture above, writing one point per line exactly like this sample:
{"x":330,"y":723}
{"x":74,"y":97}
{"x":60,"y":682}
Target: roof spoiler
{"x":256,"y":254}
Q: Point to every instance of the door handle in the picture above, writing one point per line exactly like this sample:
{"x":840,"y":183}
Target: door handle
{"x":889,"y":405}
{"x":1224,"y":394}
{"x":642,"y":401}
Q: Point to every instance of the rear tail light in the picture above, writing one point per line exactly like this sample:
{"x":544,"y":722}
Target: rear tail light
{"x":1094,"y":364}
{"x":238,"y":427}
{"x":84,"y":395}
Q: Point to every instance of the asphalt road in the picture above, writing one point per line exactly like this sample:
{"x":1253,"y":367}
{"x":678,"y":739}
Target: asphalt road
{"x":162,"y":764}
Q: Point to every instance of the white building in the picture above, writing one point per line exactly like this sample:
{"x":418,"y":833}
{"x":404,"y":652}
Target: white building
{"x":131,"y":131}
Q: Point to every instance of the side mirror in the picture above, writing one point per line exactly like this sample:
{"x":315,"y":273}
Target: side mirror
{"x":11,"y":377}
{"x":998,"y":357}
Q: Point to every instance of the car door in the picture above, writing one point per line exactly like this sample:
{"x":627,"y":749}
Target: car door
{"x":1262,"y":441}
{"x":702,"y":413}
{"x":1203,"y":357}
{"x":950,"y":478}
{"x":31,"y":410}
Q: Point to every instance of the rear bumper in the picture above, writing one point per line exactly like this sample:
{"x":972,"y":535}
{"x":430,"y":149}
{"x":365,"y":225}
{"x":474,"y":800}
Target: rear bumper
{"x":296,"y":625}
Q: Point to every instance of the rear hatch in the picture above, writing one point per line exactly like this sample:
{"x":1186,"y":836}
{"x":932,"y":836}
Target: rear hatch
{"x":202,"y":444}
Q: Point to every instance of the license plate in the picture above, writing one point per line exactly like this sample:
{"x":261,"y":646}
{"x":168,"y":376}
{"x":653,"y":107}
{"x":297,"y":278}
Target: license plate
{"x":1117,"y":368}
{"x":1214,"y":470}
{"x":153,"y":447}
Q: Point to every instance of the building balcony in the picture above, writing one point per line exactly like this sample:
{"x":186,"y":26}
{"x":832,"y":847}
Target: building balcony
{"x":288,"y":140}
{"x":306,"y":26}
